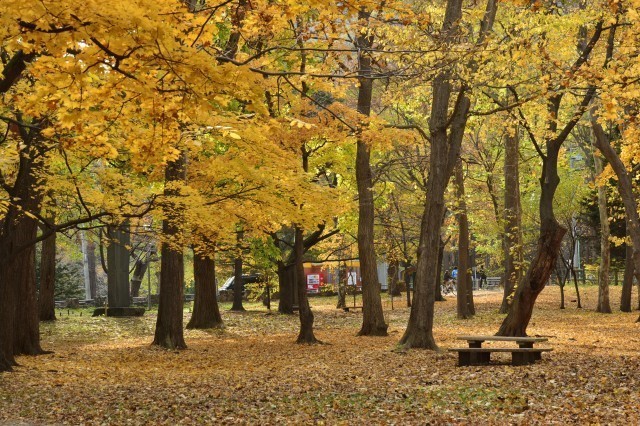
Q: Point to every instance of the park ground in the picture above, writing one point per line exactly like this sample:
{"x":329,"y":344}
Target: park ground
{"x":104,"y":371}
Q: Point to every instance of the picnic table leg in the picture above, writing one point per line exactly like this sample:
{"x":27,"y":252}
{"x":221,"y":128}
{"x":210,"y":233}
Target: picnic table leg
{"x":464,"y":359}
{"x":520,"y":358}
{"x":535,"y":356}
{"x":479,"y":357}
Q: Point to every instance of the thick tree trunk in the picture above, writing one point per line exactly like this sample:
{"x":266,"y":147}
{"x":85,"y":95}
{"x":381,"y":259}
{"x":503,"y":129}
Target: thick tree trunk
{"x":206,"y":313}
{"x":543,"y":262}
{"x":465,"y":307}
{"x":26,"y":337}
{"x":512,"y":243}
{"x":118,"y":266}
{"x":238,"y":285}
{"x":46,"y":299}
{"x":373,"y":323}
{"x":627,"y":280}
{"x":306,"y":316}
{"x":286,"y":281}
{"x":7,"y":310}
{"x":169,"y":333}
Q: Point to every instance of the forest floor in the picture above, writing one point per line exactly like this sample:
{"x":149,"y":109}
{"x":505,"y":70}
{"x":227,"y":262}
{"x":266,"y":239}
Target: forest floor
{"x":104,"y":371}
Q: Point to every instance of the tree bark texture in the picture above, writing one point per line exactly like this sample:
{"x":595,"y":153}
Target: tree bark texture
{"x":627,"y":280}
{"x":46,"y":298}
{"x":118,"y":266}
{"x":306,"y":316}
{"x":18,"y":306}
{"x":206,"y":313}
{"x":169,"y":333}
{"x":286,"y":281}
{"x":373,"y":322}
{"x":464,"y":307}
{"x":512,"y":243}
{"x":238,"y":287}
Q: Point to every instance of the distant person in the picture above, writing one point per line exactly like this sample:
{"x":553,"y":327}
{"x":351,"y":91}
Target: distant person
{"x":483,"y":277}
{"x":454,"y":273}
{"x":447,"y":275}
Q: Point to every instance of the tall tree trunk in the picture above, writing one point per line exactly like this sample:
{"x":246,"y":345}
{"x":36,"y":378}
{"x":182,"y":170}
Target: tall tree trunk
{"x":549,"y":243}
{"x":238,"y":284}
{"x":373,"y":323}
{"x":625,"y":188}
{"x":627,"y":280}
{"x":512,"y":243}
{"x":605,"y":246}
{"x":444,"y":151}
{"x":206,"y":313}
{"x":46,"y":299}
{"x":306,"y":316}
{"x":169,"y":333}
{"x":465,"y":306}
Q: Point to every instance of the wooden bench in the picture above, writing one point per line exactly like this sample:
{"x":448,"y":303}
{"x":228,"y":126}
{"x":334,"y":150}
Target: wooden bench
{"x":475,"y":354}
{"x":347,"y":308}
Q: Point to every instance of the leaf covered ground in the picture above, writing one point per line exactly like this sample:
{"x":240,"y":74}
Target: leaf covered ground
{"x":104,"y":371}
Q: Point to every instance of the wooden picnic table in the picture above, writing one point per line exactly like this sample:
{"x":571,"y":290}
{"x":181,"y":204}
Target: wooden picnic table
{"x":475,"y":354}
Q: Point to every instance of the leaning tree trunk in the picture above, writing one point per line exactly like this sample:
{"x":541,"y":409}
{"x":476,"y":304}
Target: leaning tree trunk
{"x":465,"y":307}
{"x":625,"y":188}
{"x":373,"y":323}
{"x":169,"y":333}
{"x":512,"y":243}
{"x":139,"y":270}
{"x":238,"y":285}
{"x":46,"y":298}
{"x":549,"y":243}
{"x":306,"y":316}
{"x":206,"y":313}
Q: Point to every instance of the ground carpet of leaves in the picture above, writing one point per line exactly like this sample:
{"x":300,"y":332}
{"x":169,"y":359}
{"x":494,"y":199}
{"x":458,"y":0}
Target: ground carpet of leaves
{"x":104,"y":371}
